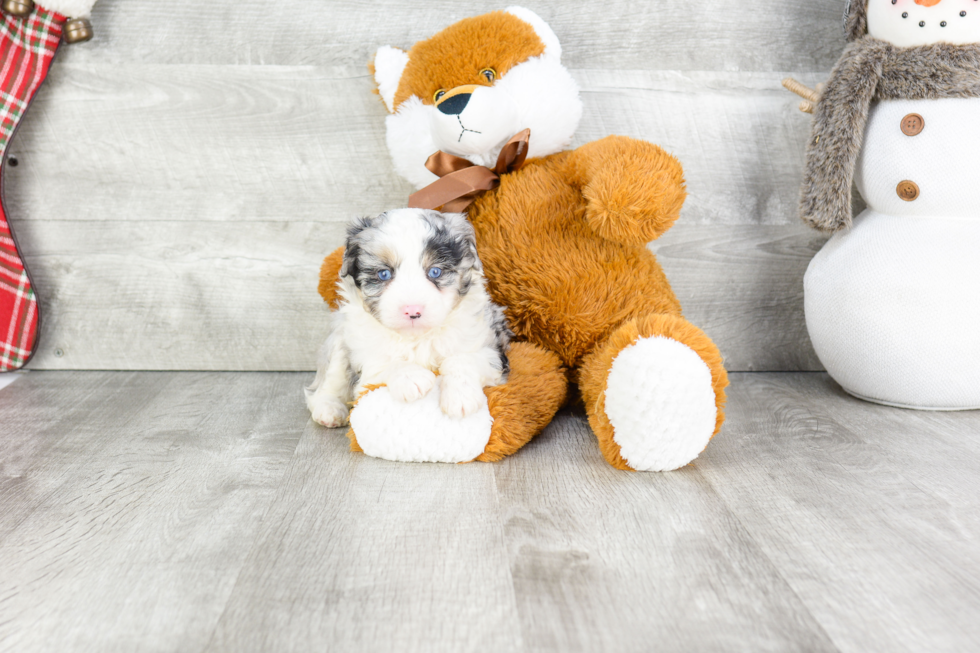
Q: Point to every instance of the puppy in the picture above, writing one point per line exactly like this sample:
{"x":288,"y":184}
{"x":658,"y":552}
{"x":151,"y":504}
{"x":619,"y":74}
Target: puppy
{"x":413,"y":303}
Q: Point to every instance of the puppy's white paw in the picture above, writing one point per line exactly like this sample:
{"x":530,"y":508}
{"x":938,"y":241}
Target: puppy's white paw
{"x":330,"y":413}
{"x":460,"y":397}
{"x":410,"y":383}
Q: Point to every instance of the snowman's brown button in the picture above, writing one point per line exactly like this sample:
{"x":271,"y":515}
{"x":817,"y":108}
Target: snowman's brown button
{"x":913,"y":124}
{"x":908,"y":190}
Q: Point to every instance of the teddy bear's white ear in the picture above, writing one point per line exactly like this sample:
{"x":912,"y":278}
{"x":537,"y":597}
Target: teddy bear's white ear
{"x":389,"y":64}
{"x":551,"y":46}
{"x":70,"y":8}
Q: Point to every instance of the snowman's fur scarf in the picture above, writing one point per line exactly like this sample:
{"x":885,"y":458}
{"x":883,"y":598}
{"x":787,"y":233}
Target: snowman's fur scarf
{"x":856,"y":19}
{"x":871,"y":70}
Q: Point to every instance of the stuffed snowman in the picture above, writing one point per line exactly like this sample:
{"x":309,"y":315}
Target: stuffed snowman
{"x":892,"y":300}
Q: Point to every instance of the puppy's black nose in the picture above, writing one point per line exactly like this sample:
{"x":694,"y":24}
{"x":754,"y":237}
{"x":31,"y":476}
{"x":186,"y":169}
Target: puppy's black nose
{"x":454,"y":106}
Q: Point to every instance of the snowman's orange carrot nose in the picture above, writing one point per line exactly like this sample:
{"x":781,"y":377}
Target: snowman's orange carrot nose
{"x":928,"y":3}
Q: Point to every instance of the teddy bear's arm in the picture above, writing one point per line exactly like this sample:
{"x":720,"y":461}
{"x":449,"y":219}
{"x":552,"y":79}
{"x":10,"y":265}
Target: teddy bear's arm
{"x":329,"y":275}
{"x":634,"y":190}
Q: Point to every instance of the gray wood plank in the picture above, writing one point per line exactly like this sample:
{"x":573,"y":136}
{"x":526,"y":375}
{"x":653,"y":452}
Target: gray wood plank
{"x":670,"y":34}
{"x":225,"y":296}
{"x":245,"y":143}
{"x":611,"y":561}
{"x":870,"y":513}
{"x":145,"y":492}
{"x":360,"y":554}
{"x":201,"y":143}
{"x":172,"y":296}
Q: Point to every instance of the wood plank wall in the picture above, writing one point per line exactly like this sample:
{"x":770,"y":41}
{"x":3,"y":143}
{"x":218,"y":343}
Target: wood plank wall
{"x":181,"y":176}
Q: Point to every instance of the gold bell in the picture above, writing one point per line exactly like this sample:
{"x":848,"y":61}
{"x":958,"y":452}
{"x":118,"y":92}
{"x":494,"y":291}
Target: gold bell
{"x":78,"y":30}
{"x":18,"y":7}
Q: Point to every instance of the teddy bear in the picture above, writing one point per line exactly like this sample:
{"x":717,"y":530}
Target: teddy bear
{"x":480,"y":119}
{"x":890,"y":300}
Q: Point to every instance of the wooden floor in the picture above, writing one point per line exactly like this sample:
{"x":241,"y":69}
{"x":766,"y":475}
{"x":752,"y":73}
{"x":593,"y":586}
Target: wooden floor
{"x":205,"y":512}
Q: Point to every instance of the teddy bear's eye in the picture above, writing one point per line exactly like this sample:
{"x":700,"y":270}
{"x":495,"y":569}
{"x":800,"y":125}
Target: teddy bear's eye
{"x":438,"y":95}
{"x":489,"y":74}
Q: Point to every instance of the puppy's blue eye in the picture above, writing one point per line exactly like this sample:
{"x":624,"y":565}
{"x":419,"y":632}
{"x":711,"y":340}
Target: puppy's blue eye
{"x":384,"y":275}
{"x":435,"y":273}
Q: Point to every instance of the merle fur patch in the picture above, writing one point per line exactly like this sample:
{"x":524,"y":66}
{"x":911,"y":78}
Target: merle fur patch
{"x":364,"y":259}
{"x":451,"y":246}
{"x":502,"y":333}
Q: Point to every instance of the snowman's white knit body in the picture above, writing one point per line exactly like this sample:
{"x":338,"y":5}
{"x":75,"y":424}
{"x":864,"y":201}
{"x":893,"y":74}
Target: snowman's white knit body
{"x":893,"y":303}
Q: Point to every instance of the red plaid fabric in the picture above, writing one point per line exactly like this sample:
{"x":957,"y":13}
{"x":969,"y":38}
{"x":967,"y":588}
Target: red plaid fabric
{"x":27,"y":46}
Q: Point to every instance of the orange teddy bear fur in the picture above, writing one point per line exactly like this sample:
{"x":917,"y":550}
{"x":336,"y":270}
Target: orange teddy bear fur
{"x":563,"y":243}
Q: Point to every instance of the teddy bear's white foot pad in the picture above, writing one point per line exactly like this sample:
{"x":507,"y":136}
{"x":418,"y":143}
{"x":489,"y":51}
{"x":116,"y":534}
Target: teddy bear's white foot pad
{"x":418,"y":431}
{"x":661,"y":404}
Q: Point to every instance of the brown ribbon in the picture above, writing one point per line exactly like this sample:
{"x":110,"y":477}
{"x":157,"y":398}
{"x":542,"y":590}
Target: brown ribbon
{"x":461,"y":182}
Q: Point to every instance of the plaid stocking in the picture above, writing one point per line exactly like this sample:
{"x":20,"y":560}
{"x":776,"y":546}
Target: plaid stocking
{"x":27,"y":46}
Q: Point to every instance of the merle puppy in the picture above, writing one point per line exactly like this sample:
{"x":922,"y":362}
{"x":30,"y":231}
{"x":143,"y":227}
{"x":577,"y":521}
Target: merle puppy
{"x":413,"y":303}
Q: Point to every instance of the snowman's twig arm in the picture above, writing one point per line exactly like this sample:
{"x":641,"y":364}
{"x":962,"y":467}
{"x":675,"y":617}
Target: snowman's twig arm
{"x":809,"y":95}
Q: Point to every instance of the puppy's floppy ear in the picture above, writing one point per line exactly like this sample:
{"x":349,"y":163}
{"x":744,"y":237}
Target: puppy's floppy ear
{"x":460,"y":227}
{"x":352,"y":247}
{"x":388,"y":65}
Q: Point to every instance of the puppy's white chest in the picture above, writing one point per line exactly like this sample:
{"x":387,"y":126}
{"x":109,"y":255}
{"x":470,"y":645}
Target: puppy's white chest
{"x":370,"y":346}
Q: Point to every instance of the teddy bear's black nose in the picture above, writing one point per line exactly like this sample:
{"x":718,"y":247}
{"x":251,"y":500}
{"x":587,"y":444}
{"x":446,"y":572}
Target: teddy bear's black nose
{"x":454,"y":106}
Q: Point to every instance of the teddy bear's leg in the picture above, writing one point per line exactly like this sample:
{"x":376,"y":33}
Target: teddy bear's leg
{"x":522,"y":407}
{"x":654,"y":392}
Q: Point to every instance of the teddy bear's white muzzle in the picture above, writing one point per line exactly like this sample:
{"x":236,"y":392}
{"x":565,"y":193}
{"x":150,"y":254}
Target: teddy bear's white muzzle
{"x":475,"y":123}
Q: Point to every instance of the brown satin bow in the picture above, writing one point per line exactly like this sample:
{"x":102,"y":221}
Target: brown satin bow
{"x":460,"y":181}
